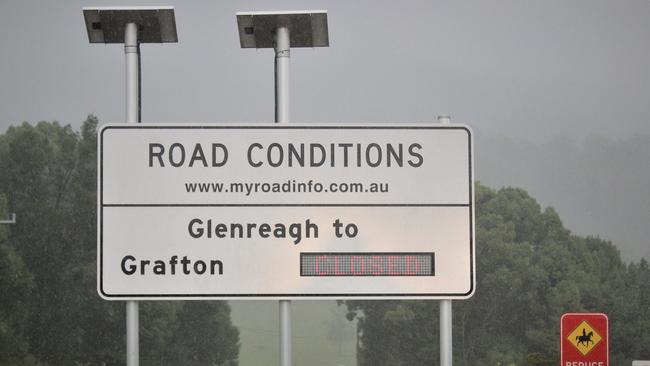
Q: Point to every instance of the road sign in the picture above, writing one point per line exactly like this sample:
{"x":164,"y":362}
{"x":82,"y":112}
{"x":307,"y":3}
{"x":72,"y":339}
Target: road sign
{"x":584,"y":339}
{"x":285,"y":211}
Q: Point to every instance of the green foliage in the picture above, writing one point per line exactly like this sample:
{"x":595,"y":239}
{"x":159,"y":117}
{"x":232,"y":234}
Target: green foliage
{"x":205,"y":325}
{"x":530,"y":270}
{"x":53,"y":316}
{"x":16,"y":286}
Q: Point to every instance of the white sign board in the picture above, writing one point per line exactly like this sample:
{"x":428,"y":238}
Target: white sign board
{"x":285,"y":211}
{"x":640,"y":363}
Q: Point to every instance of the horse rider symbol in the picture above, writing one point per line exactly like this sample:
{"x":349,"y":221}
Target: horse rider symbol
{"x":585,"y":338}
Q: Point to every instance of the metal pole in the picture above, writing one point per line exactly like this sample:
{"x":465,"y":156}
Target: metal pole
{"x":446,"y":347}
{"x":131,"y":51}
{"x":282,"y":54}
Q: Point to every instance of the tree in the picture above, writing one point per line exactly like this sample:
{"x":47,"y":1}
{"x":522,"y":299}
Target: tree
{"x":530,"y":270}
{"x":16,"y":286}
{"x":48,"y":173}
{"x":204,"y":335}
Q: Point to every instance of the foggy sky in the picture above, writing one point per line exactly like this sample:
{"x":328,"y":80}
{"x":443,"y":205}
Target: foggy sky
{"x":531,"y":71}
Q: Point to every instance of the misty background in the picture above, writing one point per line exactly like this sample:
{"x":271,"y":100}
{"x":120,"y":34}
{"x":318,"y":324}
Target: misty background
{"x":557,"y":93}
{"x":556,"y":89}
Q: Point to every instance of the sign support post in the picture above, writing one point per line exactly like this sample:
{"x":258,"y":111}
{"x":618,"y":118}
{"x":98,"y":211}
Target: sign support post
{"x":121,"y":25}
{"x":131,"y":53}
{"x":282,"y":55}
{"x":446,"y":346}
{"x":308,"y":29}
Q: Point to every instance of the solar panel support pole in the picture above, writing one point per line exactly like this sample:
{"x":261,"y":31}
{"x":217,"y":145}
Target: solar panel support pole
{"x":132,"y":54}
{"x":282,"y":55}
{"x":132,"y":26}
{"x":286,"y":29}
{"x":446,"y":347}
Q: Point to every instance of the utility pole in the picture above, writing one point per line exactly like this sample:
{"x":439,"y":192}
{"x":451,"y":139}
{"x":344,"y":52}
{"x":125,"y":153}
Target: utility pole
{"x":282,"y":30}
{"x":131,"y":26}
{"x":446,"y":346}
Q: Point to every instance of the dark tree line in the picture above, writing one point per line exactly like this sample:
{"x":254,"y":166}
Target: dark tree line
{"x":50,"y":312}
{"x":530,"y":270}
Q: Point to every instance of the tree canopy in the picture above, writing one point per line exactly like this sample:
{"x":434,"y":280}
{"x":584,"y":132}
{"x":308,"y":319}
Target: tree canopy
{"x":530,"y":270}
{"x":50,"y":312}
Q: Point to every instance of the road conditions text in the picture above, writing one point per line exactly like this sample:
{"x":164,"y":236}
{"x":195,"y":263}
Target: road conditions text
{"x":276,"y":155}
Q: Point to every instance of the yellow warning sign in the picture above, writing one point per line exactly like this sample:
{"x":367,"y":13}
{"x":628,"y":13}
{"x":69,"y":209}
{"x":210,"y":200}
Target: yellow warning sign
{"x":584,"y":338}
